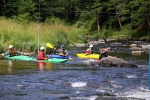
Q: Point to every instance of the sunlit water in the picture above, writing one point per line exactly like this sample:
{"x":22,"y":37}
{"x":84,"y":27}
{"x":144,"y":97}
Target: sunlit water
{"x":73,"y":80}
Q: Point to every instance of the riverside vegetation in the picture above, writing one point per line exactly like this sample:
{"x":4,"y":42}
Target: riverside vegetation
{"x":70,"y":21}
{"x":24,"y":36}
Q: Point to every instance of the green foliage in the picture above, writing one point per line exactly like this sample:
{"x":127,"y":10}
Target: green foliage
{"x":95,"y":19}
{"x":54,"y":20}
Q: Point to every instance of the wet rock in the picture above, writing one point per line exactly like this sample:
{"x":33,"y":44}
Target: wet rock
{"x":145,"y":47}
{"x":138,"y":52}
{"x":64,"y":98}
{"x":135,"y":48}
{"x":80,"y":45}
{"x":133,"y":45}
{"x":114,"y":61}
{"x":104,"y":94}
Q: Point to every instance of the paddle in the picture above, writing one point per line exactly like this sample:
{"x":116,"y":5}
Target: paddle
{"x":108,"y":44}
{"x":49,"y":45}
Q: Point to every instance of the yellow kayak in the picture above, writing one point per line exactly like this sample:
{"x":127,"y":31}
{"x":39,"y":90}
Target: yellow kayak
{"x":83,"y":55}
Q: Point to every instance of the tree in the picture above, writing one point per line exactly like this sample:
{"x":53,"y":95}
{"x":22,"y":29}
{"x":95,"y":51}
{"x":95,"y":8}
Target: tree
{"x":140,"y":12}
{"x":26,"y":11}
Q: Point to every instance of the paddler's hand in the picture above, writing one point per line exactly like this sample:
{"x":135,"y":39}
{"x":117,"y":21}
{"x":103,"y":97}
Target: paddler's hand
{"x":61,"y":54}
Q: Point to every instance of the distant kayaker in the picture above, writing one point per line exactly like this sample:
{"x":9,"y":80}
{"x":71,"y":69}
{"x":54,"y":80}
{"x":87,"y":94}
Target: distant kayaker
{"x":103,"y":53}
{"x":11,"y":51}
{"x":89,"y":50}
{"x":41,"y":54}
{"x":62,"y":51}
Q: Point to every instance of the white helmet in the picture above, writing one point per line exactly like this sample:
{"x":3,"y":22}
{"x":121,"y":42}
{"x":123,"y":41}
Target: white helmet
{"x":42,"y":48}
{"x":10,"y":46}
{"x":91,"y":46}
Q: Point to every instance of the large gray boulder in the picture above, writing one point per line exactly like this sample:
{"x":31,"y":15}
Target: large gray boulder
{"x":115,"y":62}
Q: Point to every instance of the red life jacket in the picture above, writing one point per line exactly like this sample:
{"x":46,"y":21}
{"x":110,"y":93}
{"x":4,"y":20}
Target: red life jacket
{"x":41,"y":55}
{"x":87,"y":51}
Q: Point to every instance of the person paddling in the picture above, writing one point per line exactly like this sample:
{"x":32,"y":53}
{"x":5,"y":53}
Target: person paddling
{"x":103,"y":53}
{"x":41,"y":54}
{"x":89,"y":50}
{"x":11,"y":51}
{"x":62,"y":51}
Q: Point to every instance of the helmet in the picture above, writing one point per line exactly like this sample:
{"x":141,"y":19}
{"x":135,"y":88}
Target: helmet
{"x":91,"y":46}
{"x":10,"y":46}
{"x":42,"y":48}
{"x":62,"y":46}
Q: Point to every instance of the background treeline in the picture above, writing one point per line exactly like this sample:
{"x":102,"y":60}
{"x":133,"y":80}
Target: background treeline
{"x":70,"y":21}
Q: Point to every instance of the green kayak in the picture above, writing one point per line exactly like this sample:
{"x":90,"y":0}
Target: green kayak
{"x":20,"y":57}
{"x":53,"y":60}
{"x":28,"y":58}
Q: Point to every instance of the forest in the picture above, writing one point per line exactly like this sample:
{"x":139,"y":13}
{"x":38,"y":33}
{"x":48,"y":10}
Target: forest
{"x":71,"y":21}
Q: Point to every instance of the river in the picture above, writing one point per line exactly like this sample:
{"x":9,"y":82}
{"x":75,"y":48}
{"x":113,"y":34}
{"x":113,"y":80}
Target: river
{"x":75,"y":80}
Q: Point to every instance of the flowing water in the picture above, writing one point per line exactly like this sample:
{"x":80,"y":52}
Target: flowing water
{"x":75,"y":80}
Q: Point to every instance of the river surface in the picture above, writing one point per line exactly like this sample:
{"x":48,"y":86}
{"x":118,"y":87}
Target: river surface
{"x":75,"y":80}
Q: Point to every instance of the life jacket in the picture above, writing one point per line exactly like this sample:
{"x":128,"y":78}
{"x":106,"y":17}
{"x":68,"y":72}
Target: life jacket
{"x":87,"y":51}
{"x":41,"y":56}
{"x":62,"y":52}
{"x":13,"y":52}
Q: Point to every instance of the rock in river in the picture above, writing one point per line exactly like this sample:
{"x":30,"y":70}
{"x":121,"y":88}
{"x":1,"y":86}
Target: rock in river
{"x":114,"y":61}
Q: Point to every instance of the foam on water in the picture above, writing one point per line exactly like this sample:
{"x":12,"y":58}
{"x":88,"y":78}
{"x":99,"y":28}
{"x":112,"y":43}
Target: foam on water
{"x":85,"y":98}
{"x":131,"y":76}
{"x":78,"y":84}
{"x":139,"y":94}
{"x":142,"y":93}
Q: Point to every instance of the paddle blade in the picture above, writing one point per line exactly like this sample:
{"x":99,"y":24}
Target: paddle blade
{"x":70,"y":58}
{"x":49,"y":45}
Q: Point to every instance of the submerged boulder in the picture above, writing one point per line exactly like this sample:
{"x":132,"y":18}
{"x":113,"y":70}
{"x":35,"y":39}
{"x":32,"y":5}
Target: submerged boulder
{"x":115,"y":62}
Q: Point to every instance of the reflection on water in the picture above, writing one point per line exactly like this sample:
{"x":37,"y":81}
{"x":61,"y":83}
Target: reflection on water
{"x":40,"y":65}
{"x":10,"y":64}
{"x":44,"y":65}
{"x":16,"y":67}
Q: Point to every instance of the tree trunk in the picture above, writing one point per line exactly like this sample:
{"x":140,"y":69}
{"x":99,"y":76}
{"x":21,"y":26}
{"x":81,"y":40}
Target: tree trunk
{"x":67,"y":15}
{"x":98,"y":25}
{"x":118,"y":19}
{"x":148,"y":21}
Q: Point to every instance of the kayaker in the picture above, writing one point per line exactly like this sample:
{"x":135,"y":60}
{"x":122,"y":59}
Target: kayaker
{"x":11,"y":51}
{"x":62,"y":51}
{"x":103,"y":53}
{"x":89,"y":50}
{"x":41,"y":54}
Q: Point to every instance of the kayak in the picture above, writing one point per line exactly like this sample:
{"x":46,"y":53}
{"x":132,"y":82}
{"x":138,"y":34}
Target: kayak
{"x":83,"y":55}
{"x":20,"y":57}
{"x":57,"y":56}
{"x":28,"y":58}
{"x":53,"y":60}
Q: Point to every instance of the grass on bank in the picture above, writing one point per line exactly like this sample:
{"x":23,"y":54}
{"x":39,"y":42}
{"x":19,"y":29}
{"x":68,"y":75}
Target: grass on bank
{"x":25,"y":36}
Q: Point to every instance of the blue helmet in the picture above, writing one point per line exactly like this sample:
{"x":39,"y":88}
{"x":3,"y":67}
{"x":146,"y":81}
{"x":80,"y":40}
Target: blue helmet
{"x":62,"y":46}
